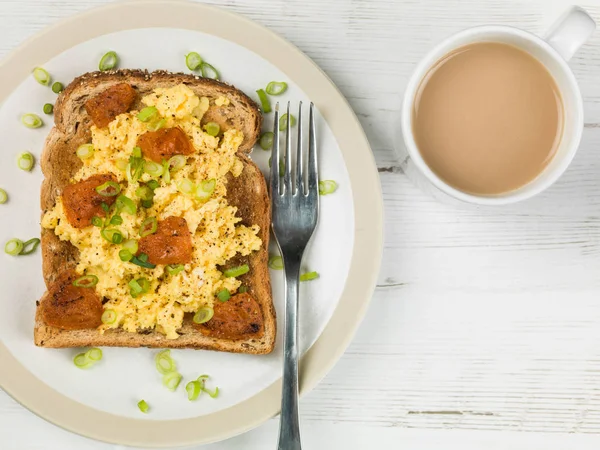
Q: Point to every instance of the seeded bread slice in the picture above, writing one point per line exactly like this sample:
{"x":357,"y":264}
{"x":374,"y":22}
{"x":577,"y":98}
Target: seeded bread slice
{"x":248,"y":193}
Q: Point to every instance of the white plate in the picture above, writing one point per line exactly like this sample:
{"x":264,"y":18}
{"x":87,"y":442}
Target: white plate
{"x":126,"y":375}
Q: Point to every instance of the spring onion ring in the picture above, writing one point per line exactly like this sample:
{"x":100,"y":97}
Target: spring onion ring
{"x":135,"y":288}
{"x":48,"y":108}
{"x":97,"y":222}
{"x":265,"y":104}
{"x":171,"y":380}
{"x":309,"y":276}
{"x":185,"y":186}
{"x":144,"y":192}
{"x":3,"y":196}
{"x":41,"y":75}
{"x":86,"y":281}
{"x":212,"y":128}
{"x":13,"y":247}
{"x":30,"y":246}
{"x":147,"y":113}
{"x":209,"y":71}
{"x":164,"y":363}
{"x":205,"y":189}
{"x":124,"y":203}
{"x":122,"y":164}
{"x":125,"y":255}
{"x":131,"y":245}
{"x":177,"y":162}
{"x":213,"y":394}
{"x":31,"y":120}
{"x":266,"y":141}
{"x":204,"y":315}
{"x":223,"y":295}
{"x":57,"y":87}
{"x":149,"y":226}
{"x":81,"y":361}
{"x":174,"y":269}
{"x":116,"y":220}
{"x":94,"y":354}
{"x":145,"y":264}
{"x":193,"y":60}
{"x":109,"y":317}
{"x":327,"y":187}
{"x":109,"y":189}
{"x":25,"y":161}
{"x":276,"y":262}
{"x":193,"y":389}
{"x":108,"y":61}
{"x":85,"y":151}
{"x":236,"y":271}
{"x":153,"y":184}
{"x":276,"y":87}
{"x":112,"y":235}
{"x":156,"y":124}
{"x":143,"y":406}
{"x":284,"y":120}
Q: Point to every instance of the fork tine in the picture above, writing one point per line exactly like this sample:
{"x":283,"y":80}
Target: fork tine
{"x":275,"y":155}
{"x":299,"y":161}
{"x":287,"y":174}
{"x":313,"y":176}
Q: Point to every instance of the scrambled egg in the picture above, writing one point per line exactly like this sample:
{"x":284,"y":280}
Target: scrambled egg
{"x":216,"y":234}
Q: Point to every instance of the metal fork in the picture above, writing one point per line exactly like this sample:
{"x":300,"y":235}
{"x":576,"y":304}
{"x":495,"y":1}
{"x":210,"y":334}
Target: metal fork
{"x":295,"y":206}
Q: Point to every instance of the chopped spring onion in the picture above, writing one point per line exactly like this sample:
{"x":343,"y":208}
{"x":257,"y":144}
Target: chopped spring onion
{"x":48,"y":108}
{"x":124,"y":203}
{"x":265,"y":104}
{"x":145,"y":284}
{"x":166,"y":176}
{"x":109,"y":316}
{"x":243,"y":289}
{"x":209,"y":71}
{"x":212,"y":128}
{"x":171,"y":380}
{"x":276,"y":262}
{"x":125,"y":255}
{"x":205,"y":189}
{"x":112,"y":235}
{"x":97,"y":222}
{"x":144,"y":192}
{"x":147,"y":113}
{"x":147,"y":203}
{"x":25,"y":161}
{"x":204,"y":315}
{"x":213,"y":394}
{"x":31,"y":120}
{"x":202,"y":380}
{"x":174,"y":269}
{"x":223,"y":295}
{"x":82,"y":361}
{"x":193,"y":60}
{"x":309,"y":276}
{"x":136,"y":152}
{"x":94,"y":354}
{"x":13,"y":247}
{"x":135,"y":288}
{"x":109,"y":189}
{"x":116,"y":220}
{"x":266,"y":140}
{"x":276,"y":87}
{"x":41,"y":75}
{"x":139,"y":262}
{"x":236,"y":271}
{"x":177,"y":162}
{"x":108,"y":61}
{"x":185,"y":186}
{"x":193,"y":389}
{"x":30,"y":246}
{"x":156,"y":124}
{"x":153,"y":184}
{"x":131,"y":245}
{"x":281,"y":166}
{"x":85,"y":151}
{"x":164,"y":363}
{"x":153,"y":169}
{"x":122,"y":164}
{"x":283,"y":121}
{"x":327,"y":187}
{"x":86,"y":281}
{"x":149,"y":226}
{"x":3,"y":196}
{"x":143,"y":406}
{"x":105,"y":207}
{"x":57,"y":87}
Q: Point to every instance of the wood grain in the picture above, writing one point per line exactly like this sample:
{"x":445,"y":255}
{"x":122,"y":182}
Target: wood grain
{"x":483,"y":319}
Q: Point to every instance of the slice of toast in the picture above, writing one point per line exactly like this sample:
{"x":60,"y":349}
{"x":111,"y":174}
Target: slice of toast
{"x":248,"y":193}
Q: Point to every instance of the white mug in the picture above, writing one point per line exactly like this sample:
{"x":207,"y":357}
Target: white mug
{"x":562,"y":41}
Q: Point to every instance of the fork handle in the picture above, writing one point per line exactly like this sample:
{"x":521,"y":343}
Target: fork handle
{"x":289,"y":426}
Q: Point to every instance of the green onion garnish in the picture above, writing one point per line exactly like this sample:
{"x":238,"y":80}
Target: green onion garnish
{"x":85,"y":151}
{"x":143,"y":257}
{"x":193,"y":389}
{"x":94,"y":354}
{"x":153,"y":169}
{"x":266,"y":140}
{"x":147,"y":203}
{"x":327,"y":187}
{"x":177,"y":162}
{"x":109,"y":189}
{"x":212,"y":128}
{"x":185,"y":186}
{"x":125,"y":255}
{"x":112,"y":235}
{"x":57,"y":87}
{"x":204,"y":315}
{"x":174,"y":269}
{"x":145,"y":264}
{"x":25,"y":161}
{"x":108,"y":61}
{"x":276,"y":262}
{"x":284,"y":120}
{"x":276,"y":87}
{"x":236,"y":271}
{"x":48,"y":108}
{"x":242,"y":289}
{"x":131,"y":245}
{"x":86,"y":281}
{"x":265,"y":104}
{"x":122,"y":164}
{"x":13,"y":247}
{"x":31,"y":120}
{"x":135,"y":288}
{"x":164,"y":363}
{"x":116,"y":220}
{"x":213,"y":394}
{"x":209,"y":71}
{"x":205,"y":189}
{"x":156,"y":124}
{"x":309,"y":276}
{"x":105,"y":207}
{"x":153,"y":184}
{"x":143,"y":406}
{"x":223,"y":295}
{"x":171,"y":380}
{"x":82,"y":361}
{"x":166,"y":176}
{"x":193,"y":60}
{"x":97,"y":222}
{"x":136,"y":152}
{"x":149,"y":226}
{"x":281,"y":166}
{"x":3,"y":196}
{"x":109,"y":317}
{"x":144,"y":192}
{"x":41,"y":76}
{"x":30,"y":246}
{"x":147,"y":113}
{"x":124,"y":203}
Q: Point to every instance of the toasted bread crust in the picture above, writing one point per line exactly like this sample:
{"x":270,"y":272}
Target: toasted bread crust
{"x":248,"y":193}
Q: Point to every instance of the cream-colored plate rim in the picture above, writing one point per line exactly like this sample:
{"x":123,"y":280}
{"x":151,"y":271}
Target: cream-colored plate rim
{"x":47,"y":403}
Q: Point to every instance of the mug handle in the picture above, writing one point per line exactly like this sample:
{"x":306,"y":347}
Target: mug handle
{"x":570,"y":32}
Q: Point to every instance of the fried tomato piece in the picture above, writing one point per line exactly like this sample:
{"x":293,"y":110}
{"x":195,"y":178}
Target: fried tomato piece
{"x":70,"y":307}
{"x":81,"y":201}
{"x":107,"y":105}
{"x":238,"y":318}
{"x":162,"y":144}
{"x":170,"y":244}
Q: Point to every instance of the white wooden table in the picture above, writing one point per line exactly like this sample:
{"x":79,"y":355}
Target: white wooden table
{"x":484,"y":331}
